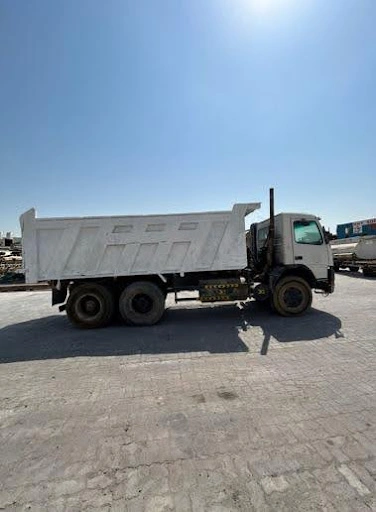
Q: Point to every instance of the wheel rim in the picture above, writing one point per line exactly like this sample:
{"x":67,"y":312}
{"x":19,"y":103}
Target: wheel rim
{"x":88,"y":306}
{"x":142,"y":303}
{"x":292,"y":297}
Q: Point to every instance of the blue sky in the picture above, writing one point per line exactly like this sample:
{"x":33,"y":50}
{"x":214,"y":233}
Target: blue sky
{"x":116,"y":107}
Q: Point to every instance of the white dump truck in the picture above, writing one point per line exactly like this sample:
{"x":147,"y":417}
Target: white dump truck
{"x":99,"y":266}
{"x":355,"y":253}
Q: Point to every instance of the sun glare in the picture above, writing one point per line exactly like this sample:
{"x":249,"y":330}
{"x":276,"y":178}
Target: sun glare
{"x":270,"y":5}
{"x":271,"y":13}
{"x":266,"y":7}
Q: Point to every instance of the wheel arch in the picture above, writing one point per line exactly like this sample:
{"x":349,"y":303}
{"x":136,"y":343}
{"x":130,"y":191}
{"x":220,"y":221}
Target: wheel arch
{"x":117,"y":284}
{"x":294,"y":271}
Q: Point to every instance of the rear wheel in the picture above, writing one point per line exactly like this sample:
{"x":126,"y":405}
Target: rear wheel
{"x":292,"y":296}
{"x":353,"y":268}
{"x":142,"y":303}
{"x":90,"y":305}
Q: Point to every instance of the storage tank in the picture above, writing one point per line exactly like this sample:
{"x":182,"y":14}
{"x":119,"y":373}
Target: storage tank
{"x":354,"y":248}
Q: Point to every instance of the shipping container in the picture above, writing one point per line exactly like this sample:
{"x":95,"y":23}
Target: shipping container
{"x":357,"y":228}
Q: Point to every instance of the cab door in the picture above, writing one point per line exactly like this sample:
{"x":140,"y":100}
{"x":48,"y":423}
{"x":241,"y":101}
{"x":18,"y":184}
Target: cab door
{"x":309,"y":246}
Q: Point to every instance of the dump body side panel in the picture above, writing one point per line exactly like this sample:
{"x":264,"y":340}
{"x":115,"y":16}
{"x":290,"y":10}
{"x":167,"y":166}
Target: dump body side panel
{"x":89,"y":247}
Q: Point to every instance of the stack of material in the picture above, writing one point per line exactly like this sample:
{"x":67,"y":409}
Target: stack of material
{"x":9,"y":262}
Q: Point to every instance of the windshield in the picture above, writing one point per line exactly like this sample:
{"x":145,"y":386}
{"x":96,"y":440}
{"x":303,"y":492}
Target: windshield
{"x":307,"y":232}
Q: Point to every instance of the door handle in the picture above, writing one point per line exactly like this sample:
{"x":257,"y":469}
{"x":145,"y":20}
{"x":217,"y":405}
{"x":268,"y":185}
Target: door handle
{"x":298,"y":257}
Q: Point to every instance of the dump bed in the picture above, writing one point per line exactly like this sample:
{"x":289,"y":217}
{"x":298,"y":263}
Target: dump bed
{"x":89,"y":247}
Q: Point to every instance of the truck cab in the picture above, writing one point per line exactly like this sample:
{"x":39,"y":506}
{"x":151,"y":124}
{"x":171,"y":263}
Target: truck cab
{"x":298,"y":253}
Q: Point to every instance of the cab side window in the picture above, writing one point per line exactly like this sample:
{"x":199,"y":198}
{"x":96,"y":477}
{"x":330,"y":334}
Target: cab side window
{"x":307,"y":232}
{"x":262,"y":236}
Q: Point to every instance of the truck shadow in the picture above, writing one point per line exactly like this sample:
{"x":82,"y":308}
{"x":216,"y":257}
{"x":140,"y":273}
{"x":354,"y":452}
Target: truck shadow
{"x":218,"y":329}
{"x":313,"y":325}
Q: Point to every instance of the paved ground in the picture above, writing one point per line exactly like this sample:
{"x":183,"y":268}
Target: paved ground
{"x":188,"y":415}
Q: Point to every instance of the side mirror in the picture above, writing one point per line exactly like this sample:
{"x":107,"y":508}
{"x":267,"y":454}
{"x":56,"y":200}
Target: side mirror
{"x":327,"y":235}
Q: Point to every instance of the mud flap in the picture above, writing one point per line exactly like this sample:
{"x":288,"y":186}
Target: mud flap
{"x":59,"y":296}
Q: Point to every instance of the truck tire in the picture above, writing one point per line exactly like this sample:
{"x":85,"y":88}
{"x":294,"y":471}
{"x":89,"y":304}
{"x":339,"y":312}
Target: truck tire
{"x":142,"y":303}
{"x":292,"y":296}
{"x":90,"y":306}
{"x":353,"y":268}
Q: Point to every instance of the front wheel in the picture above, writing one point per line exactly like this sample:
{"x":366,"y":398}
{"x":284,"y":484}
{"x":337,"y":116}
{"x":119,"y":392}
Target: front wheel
{"x":142,"y":303}
{"x":292,"y":296}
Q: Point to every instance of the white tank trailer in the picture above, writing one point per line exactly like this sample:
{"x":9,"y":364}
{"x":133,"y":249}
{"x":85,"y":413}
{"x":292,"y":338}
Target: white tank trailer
{"x":355,"y":253}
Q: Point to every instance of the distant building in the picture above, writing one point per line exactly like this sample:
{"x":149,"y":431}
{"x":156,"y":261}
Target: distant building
{"x":357,"y":228}
{"x":7,"y":239}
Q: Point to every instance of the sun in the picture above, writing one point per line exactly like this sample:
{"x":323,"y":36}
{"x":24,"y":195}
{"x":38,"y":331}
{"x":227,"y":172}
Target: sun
{"x":266,"y":6}
{"x":273,"y":15}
